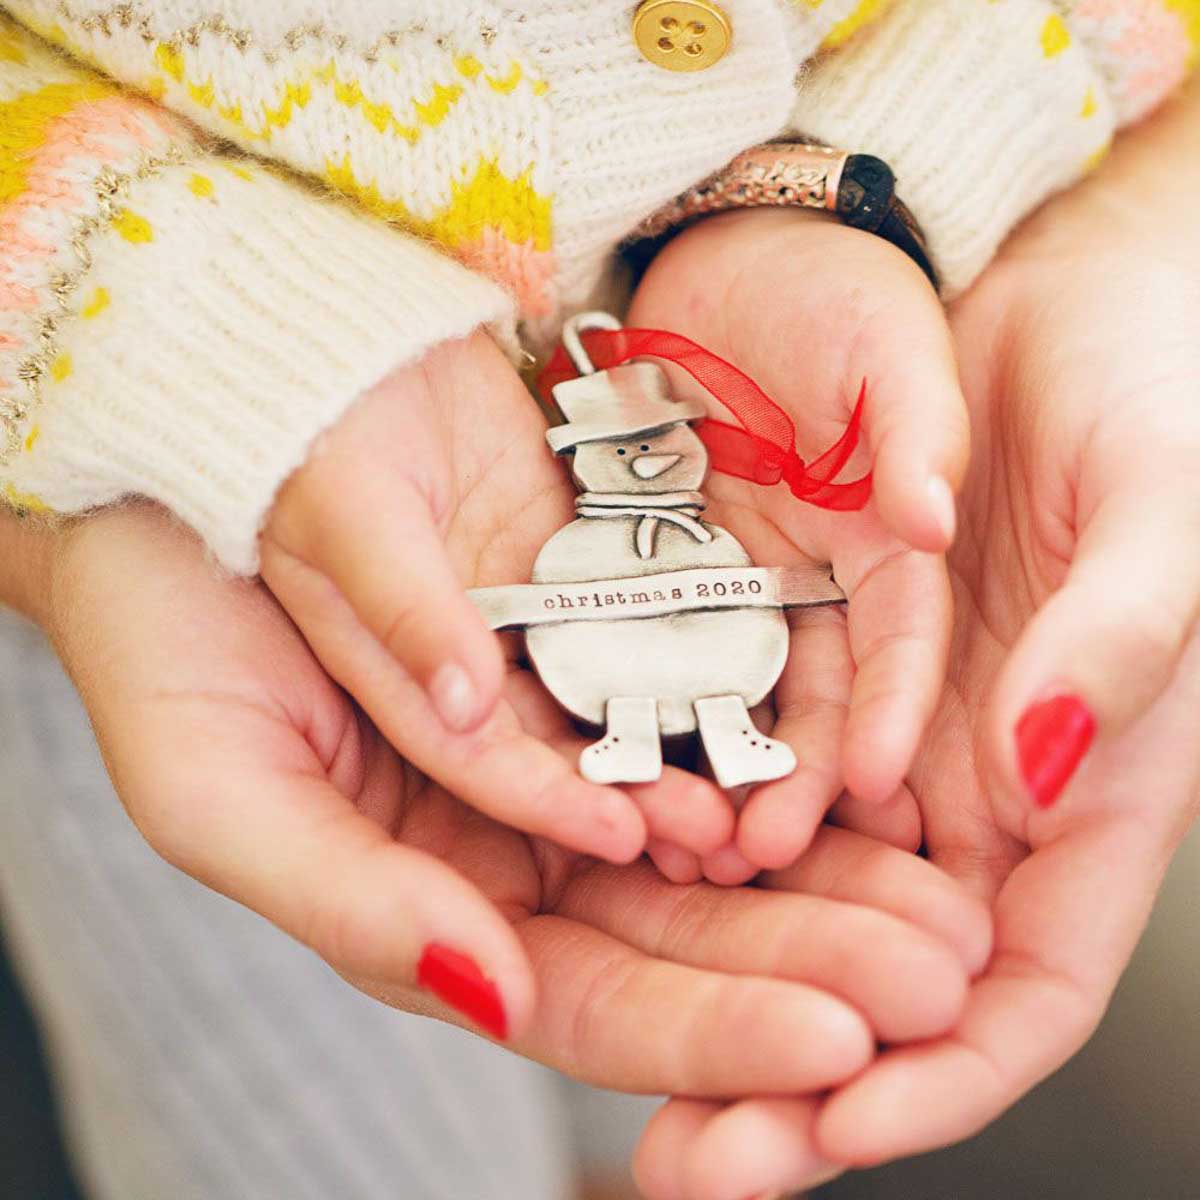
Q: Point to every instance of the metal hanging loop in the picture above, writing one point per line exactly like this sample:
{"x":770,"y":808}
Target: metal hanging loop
{"x":581,"y":323}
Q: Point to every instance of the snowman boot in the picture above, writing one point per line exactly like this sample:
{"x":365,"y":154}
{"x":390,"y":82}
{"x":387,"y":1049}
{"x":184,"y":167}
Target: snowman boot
{"x":739,"y":753}
{"x":630,"y":751}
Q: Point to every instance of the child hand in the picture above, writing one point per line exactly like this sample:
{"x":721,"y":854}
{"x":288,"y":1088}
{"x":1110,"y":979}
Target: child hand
{"x":809,"y":309}
{"x":439,"y":479}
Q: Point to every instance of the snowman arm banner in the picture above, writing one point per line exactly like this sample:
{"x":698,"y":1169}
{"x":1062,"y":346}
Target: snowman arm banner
{"x":762,"y":448}
{"x":704,"y":589}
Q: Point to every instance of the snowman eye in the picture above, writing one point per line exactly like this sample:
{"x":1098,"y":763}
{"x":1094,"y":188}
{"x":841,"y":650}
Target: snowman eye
{"x":621,"y":450}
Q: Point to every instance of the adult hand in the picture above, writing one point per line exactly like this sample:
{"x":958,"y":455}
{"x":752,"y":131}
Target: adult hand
{"x":1062,"y":767}
{"x":246,"y":766}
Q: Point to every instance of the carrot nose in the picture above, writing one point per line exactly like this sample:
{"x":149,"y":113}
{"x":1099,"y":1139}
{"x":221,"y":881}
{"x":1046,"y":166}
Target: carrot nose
{"x":650,"y":466}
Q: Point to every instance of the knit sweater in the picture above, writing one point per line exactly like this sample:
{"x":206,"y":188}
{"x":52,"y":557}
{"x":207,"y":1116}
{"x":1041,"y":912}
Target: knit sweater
{"x":186,"y":302}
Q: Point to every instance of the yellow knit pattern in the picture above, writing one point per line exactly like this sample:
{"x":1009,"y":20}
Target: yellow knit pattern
{"x":293,"y":102}
{"x":863,"y":13}
{"x":24,"y":122}
{"x":486,"y":199}
{"x":1188,"y":11}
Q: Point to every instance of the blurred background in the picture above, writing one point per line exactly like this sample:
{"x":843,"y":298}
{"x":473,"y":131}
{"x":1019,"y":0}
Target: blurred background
{"x":1120,"y":1122}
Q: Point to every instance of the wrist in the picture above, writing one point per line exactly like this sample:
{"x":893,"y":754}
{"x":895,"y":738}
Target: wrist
{"x":27,"y":552}
{"x":858,"y":189}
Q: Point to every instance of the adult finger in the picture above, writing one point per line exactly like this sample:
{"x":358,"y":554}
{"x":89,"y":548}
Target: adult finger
{"x":907,"y":981}
{"x":1063,"y":935}
{"x":621,"y":1018}
{"x":844,"y":865}
{"x":1105,"y":645}
{"x":693,"y":1150}
{"x":268,"y":829}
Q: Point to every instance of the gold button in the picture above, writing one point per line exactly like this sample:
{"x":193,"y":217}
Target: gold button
{"x":681,"y":35}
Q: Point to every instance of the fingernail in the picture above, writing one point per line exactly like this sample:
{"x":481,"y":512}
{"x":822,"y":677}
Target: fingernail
{"x":941,"y":502}
{"x":1052,"y":737}
{"x":455,"y":978}
{"x":453,"y":695}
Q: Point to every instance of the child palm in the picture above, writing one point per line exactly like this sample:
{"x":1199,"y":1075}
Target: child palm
{"x":440,"y":479}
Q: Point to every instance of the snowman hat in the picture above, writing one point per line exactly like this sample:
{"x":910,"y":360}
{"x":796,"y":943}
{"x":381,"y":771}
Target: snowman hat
{"x":616,"y":404}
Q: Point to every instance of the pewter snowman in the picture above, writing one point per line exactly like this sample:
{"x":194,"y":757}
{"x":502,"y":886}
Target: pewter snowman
{"x":643,"y":618}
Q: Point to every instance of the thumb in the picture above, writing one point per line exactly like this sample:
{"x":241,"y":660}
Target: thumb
{"x":916,"y":417}
{"x":1105,"y":644}
{"x":811,"y":308}
{"x":355,"y":515}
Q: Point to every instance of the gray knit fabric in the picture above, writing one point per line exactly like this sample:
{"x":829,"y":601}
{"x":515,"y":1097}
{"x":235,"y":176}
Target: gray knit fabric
{"x":201,"y":1054}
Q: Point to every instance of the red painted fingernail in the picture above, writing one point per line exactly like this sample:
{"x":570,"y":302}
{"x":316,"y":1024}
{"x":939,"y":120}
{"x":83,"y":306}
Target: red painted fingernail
{"x":1051,"y":739}
{"x":454,"y":977}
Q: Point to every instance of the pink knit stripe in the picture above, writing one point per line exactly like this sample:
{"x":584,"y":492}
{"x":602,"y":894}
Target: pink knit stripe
{"x":526,"y":272}
{"x":77,"y":145}
{"x":1142,"y":46}
{"x":16,"y":297}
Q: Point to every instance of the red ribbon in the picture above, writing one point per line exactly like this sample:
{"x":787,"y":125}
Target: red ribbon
{"x":762,"y":448}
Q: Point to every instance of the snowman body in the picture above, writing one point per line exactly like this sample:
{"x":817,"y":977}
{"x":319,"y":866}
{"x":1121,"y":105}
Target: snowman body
{"x":639,"y":467}
{"x":676,"y":659}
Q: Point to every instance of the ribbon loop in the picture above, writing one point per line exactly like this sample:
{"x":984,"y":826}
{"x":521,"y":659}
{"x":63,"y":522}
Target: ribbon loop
{"x":761,"y":448}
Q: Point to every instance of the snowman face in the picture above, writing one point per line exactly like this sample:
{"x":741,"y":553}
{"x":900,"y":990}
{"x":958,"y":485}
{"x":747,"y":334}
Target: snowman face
{"x":668,"y":460}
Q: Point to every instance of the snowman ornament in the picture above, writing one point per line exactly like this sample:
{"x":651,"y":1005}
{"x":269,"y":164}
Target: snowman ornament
{"x":642,"y":618}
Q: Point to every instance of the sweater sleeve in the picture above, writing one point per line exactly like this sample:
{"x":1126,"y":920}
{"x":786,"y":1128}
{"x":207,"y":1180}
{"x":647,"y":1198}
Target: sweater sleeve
{"x":985,"y":110}
{"x":181,"y":323}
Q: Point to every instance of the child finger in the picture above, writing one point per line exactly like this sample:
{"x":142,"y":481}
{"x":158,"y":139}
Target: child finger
{"x":373,"y":537}
{"x":778,"y":819}
{"x":916,"y":419}
{"x":728,"y":867}
{"x":685,"y":814}
{"x":687,"y":810}
{"x":899,"y":621}
{"x":498,"y":767}
{"x":676,"y":864}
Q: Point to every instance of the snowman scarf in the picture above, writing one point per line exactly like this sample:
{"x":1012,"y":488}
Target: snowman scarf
{"x":679,"y":508}
{"x":761,"y":449}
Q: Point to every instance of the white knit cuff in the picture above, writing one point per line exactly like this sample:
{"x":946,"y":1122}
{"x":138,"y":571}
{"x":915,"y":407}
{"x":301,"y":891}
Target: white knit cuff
{"x":226,"y":322}
{"x":982,"y":111}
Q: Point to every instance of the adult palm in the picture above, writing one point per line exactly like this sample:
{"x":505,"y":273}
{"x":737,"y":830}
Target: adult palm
{"x":1075,"y":574}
